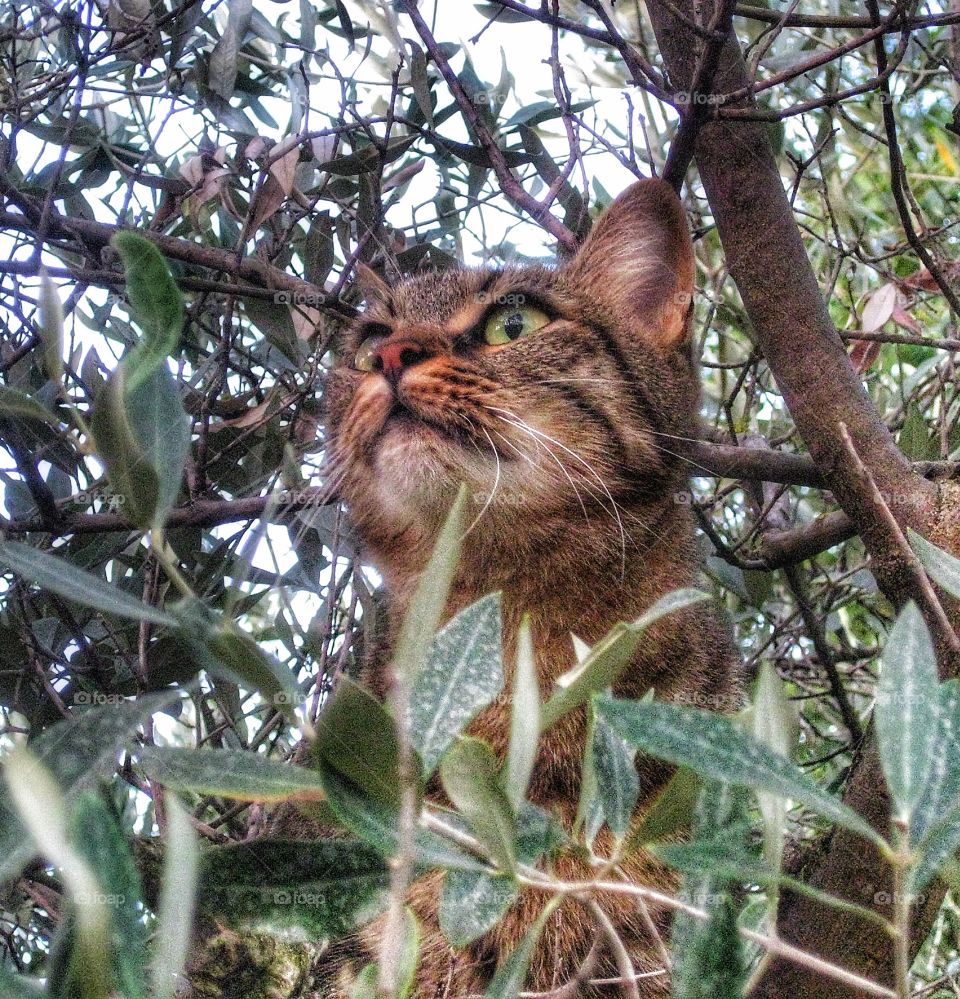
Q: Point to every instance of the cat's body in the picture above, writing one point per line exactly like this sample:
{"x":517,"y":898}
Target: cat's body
{"x":565,"y":438}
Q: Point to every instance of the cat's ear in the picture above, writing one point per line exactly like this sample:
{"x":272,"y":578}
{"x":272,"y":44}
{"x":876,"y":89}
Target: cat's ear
{"x":638,"y":262}
{"x":375,"y":290}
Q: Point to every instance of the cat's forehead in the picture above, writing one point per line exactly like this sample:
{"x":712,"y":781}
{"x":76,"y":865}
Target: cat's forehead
{"x":437,"y":295}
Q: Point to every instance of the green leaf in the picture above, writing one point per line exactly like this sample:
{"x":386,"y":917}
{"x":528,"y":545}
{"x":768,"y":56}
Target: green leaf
{"x":142,"y":433}
{"x":721,"y":846}
{"x":51,"y":327}
{"x":938,"y":848}
{"x":19,"y":406}
{"x":155,"y":302}
{"x":100,"y":841}
{"x":671,"y":811}
{"x":944,"y":569}
{"x":708,"y":959}
{"x":609,"y":657}
{"x":508,"y":980}
{"x":472,"y":903}
{"x":42,"y":809}
{"x":618,"y":784}
{"x":240,"y":658}
{"x":502,"y":15}
{"x":462,"y":674}
{"x":325,"y":887}
{"x":907,"y":699}
{"x":713,"y":746}
{"x":409,"y":954}
{"x":714,"y":857}
{"x":935,"y":827}
{"x":378,"y":824}
{"x":469,"y":773}
{"x":275,"y":322}
{"x":772,"y":724}
{"x":425,"y":611}
{"x":357,"y":738}
{"x":221,"y":648}
{"x":222,"y":68}
{"x":538,"y":833}
{"x":715,"y":968}
{"x":524,"y":718}
{"x":366,"y":984}
{"x":161,"y":429}
{"x":64,"y":578}
{"x":230,"y":773}
{"x":916,"y":440}
{"x":76,"y":751}
{"x":942,"y":790}
{"x":540,"y":111}
{"x":132,"y":476}
{"x":174,"y":927}
{"x":14,"y":987}
{"x":421,"y":82}
{"x":589,"y":817}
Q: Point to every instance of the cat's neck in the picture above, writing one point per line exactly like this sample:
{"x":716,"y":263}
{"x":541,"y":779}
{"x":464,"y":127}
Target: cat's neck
{"x":579,"y":579}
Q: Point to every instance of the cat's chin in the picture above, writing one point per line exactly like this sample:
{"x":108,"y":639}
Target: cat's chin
{"x":417,"y":468}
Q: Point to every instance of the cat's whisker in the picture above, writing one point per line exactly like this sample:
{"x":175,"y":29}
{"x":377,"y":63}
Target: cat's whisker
{"x":614,"y":506}
{"x":675,"y":454}
{"x":648,"y":430}
{"x":532,"y":435}
{"x":593,"y":379}
{"x":676,"y":437}
{"x":493,"y":491}
{"x":506,"y":440}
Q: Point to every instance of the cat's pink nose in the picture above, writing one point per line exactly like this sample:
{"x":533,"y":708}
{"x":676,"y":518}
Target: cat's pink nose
{"x":393,"y":357}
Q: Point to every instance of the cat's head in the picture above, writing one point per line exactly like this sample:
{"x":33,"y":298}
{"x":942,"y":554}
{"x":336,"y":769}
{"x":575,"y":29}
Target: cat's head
{"x":548,"y":392}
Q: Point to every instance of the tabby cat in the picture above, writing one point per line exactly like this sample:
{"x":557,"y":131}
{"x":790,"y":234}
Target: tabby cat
{"x":558,"y":396}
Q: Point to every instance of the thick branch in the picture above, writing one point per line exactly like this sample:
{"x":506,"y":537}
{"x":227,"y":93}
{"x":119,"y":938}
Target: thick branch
{"x":697,"y":104}
{"x":768,"y":261}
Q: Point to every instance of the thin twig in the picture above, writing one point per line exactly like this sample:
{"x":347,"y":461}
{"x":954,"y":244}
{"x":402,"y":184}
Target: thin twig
{"x":921,"y":584}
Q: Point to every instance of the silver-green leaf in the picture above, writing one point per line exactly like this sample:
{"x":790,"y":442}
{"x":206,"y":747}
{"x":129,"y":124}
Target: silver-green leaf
{"x":462,"y":674}
{"x":713,"y":746}
{"x":62,"y":577}
{"x":906,"y":706}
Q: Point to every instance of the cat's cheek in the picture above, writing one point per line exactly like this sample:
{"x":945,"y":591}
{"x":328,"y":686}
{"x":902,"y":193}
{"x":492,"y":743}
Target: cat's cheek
{"x":362,"y":423}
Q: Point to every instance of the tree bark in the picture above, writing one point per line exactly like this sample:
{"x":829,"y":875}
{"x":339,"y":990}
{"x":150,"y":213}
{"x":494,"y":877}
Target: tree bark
{"x":792,"y":326}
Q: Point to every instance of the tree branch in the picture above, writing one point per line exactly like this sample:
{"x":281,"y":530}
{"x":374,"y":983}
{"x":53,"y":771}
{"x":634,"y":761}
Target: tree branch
{"x":792,"y":326}
{"x":511,"y":187}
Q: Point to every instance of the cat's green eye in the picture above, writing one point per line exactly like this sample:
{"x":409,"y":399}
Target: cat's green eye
{"x":512,"y":321}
